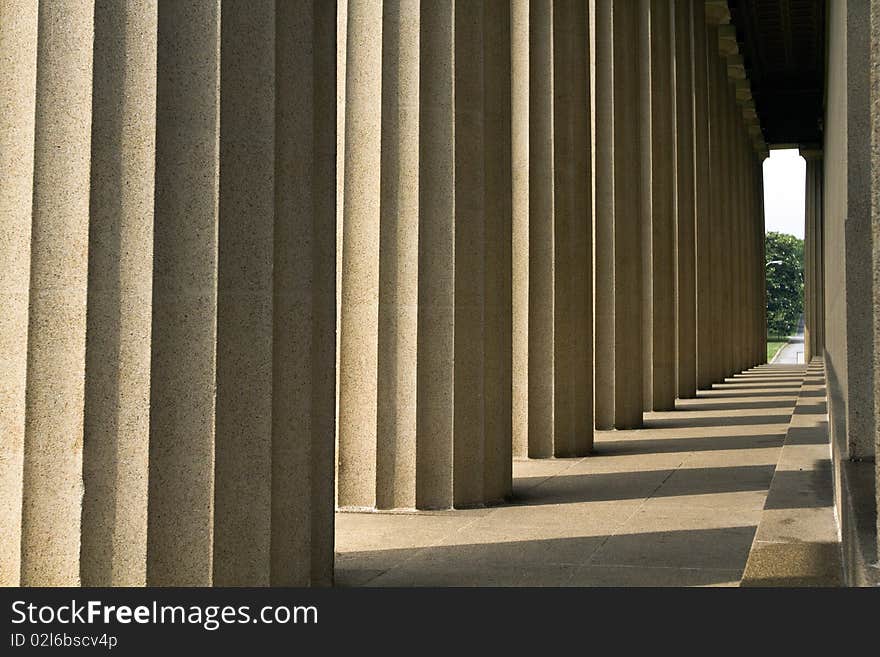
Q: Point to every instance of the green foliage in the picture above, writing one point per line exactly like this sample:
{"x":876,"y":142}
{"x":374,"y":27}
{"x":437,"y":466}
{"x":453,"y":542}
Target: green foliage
{"x":785,"y":282}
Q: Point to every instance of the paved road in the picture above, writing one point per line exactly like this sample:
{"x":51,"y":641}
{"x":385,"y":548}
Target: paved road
{"x":793,"y":352}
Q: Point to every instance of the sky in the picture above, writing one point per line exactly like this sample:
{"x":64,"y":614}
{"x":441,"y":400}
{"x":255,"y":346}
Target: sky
{"x":785,"y":174}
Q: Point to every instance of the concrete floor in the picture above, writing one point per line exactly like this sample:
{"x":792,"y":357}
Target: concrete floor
{"x":674,"y":504}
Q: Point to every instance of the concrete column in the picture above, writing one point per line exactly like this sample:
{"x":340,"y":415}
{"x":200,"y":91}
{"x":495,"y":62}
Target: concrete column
{"x":304,"y":252}
{"x":658,"y":174}
{"x":603,"y":218}
{"x":244,"y":286}
{"x":18,"y":74}
{"x":809,"y":280}
{"x":703,"y":199}
{"x":685,"y":201}
{"x":53,"y":441}
{"x":727,"y":199}
{"x":359,"y":330}
{"x":875,"y":220}
{"x":425,"y":371}
{"x":182,"y":413}
{"x":117,"y":376}
{"x":813,"y":293}
{"x":618,"y":279}
{"x":555,"y":207}
{"x":520,"y":102}
{"x":716,"y":13}
{"x":481,"y":260}
{"x":171,"y":259}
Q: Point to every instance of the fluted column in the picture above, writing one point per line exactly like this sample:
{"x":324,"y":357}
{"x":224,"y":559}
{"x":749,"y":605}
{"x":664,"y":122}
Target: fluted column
{"x":117,"y":392}
{"x":178,"y":403}
{"x":551,"y":125}
{"x":813,"y":307}
{"x":425,"y":369}
{"x":51,"y":509}
{"x":716,"y":13}
{"x":18,"y":73}
{"x":704,"y":203}
{"x":182,"y":417}
{"x":658,"y":173}
{"x":685,"y":201}
{"x":618,"y":265}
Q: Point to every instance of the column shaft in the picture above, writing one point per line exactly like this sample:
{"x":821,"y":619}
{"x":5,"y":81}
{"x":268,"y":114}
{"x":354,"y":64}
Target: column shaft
{"x":425,"y":368}
{"x":117,"y":392}
{"x":52,"y":490}
{"x":18,"y":73}
{"x":703,"y":204}
{"x":685,"y":202}
{"x":359,"y":329}
{"x":182,"y":408}
{"x":559,"y":326}
{"x":603,"y":219}
{"x":658,"y":166}
{"x":628,"y":154}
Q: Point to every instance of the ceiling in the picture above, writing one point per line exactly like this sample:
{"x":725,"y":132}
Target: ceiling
{"x":783,"y":46}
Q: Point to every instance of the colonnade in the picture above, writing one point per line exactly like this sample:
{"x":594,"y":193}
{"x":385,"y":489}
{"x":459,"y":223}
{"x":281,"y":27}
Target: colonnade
{"x":551,"y":223}
{"x":603,"y":262}
{"x":167,"y":258}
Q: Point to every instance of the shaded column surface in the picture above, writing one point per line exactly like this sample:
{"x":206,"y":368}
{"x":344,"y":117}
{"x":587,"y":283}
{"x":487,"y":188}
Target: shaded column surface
{"x":177,"y":408}
{"x":617,"y":218}
{"x":658,"y":178}
{"x":716,"y":13}
{"x":813,"y":260}
{"x":551,"y":218}
{"x":703,"y":199}
{"x":117,"y":392}
{"x":685,"y":201}
{"x":425,"y":344}
{"x":53,"y":440}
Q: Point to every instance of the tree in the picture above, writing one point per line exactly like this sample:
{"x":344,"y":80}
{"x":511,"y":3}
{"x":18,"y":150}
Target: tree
{"x":785,"y":282}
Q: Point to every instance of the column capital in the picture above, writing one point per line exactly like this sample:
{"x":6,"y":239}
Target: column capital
{"x":736,"y":69}
{"x":743,"y":90}
{"x":727,"y":43}
{"x":717,"y":12}
{"x":811,"y":153}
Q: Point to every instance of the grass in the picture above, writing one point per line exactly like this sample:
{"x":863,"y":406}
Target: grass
{"x":773,"y":345}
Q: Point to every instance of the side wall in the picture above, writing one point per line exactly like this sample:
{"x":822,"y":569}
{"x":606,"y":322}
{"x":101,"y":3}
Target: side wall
{"x":848,"y":284}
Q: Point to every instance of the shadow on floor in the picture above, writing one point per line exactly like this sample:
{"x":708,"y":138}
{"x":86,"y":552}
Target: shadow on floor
{"x":698,"y":557}
{"x":635,"y":446}
{"x":716,"y":420}
{"x":604,"y":487}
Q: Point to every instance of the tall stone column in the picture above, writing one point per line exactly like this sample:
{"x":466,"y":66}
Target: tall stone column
{"x":736,"y":244}
{"x":53,"y":445}
{"x":182,"y":414}
{"x":685,"y":201}
{"x":240,"y":483}
{"x":813,"y":306}
{"x":809,"y":281}
{"x":716,"y":13}
{"x":704,"y":204}
{"x":552,"y":211}
{"x":658,"y":178}
{"x":618,"y":279}
{"x":18,"y":74}
{"x":117,"y":389}
{"x":425,"y":375}
{"x":174,"y":422}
